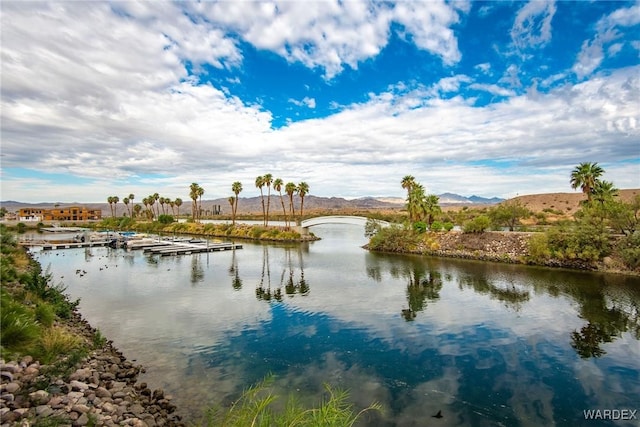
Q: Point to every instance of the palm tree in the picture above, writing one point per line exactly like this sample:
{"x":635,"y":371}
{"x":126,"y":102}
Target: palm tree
{"x":193,"y":194}
{"x":178,"y":203}
{"x":303,"y":189}
{"x":408,"y":182}
{"x":161,"y":200}
{"x":145,"y":202}
{"x":268,"y":180}
{"x":431,"y":207}
{"x":232,"y":202}
{"x":156,"y":197}
{"x":200,"y":193}
{"x":136,"y":210}
{"x":131,"y":197}
{"x":260,"y":184}
{"x":126,"y":204}
{"x":290,"y":188}
{"x":110,"y":201}
{"x":277,"y":185}
{"x":151,"y":200}
{"x":604,"y":191}
{"x":236,"y":187}
{"x":415,"y":202}
{"x":585,"y":176}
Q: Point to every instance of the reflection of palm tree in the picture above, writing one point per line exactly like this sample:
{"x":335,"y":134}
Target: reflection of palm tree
{"x":510,"y":295}
{"x":236,"y":281}
{"x":420,"y":289}
{"x":197,"y":273}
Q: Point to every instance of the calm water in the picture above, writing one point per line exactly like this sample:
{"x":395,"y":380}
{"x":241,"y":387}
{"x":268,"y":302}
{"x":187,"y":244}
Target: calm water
{"x":486,"y":344}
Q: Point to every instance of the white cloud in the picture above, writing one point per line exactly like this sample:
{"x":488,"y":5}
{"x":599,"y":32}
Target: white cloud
{"x":592,"y":53}
{"x":532,"y":26}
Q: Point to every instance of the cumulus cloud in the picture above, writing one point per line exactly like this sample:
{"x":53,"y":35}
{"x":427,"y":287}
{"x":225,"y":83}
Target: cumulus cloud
{"x":532,"y":26}
{"x":593,"y":51}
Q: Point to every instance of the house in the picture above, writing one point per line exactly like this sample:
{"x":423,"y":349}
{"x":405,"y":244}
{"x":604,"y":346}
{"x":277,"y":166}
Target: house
{"x":71,"y":213}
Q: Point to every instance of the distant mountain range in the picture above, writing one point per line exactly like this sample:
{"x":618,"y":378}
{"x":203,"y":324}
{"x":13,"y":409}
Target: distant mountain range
{"x":254,"y":204}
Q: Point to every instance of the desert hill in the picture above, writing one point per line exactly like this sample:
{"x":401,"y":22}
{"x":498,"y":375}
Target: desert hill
{"x":568,"y":203}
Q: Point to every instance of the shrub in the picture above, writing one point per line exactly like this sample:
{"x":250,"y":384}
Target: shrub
{"x":56,"y":342}
{"x":394,"y":239}
{"x":477,"y":225}
{"x":436,"y":226}
{"x":18,"y":326}
{"x":420,"y":226}
{"x":45,"y":314}
{"x":630,"y":250}
{"x":165,"y":219}
{"x":448,"y":226}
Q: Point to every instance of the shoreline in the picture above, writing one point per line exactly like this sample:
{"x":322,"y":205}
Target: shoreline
{"x":507,"y":247}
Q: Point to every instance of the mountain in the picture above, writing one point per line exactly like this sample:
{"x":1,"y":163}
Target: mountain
{"x":254,"y":204}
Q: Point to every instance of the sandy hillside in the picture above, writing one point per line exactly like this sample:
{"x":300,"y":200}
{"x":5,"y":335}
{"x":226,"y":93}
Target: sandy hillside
{"x":568,"y":203}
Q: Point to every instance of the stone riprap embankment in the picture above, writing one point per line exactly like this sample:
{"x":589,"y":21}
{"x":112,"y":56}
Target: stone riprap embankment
{"x":101,"y":390}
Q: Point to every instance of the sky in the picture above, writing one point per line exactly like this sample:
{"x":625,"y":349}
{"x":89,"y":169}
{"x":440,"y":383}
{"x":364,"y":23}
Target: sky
{"x":477,"y":98}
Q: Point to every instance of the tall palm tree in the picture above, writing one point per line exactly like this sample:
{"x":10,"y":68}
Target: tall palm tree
{"x":268,"y":180}
{"x":162,"y":200}
{"x":415,"y":202}
{"x":408,"y":182}
{"x":200,"y":193}
{"x":260,"y":184}
{"x":236,"y":187}
{"x":115,"y":199}
{"x":290,"y":188}
{"x":585,"y":176}
{"x":303,"y":189}
{"x":131,"y":197}
{"x":126,"y":204}
{"x":110,"y":201}
{"x":136,"y":210}
{"x":151,"y":200}
{"x":193,"y":194}
{"x":156,"y":197}
{"x":178,"y":203}
{"x":232,"y":202}
{"x":277,"y":185}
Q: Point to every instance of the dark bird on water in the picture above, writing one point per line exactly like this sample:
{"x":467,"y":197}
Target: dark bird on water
{"x":438,"y":415}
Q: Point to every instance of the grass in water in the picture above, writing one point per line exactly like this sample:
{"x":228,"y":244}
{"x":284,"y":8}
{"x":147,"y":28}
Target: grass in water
{"x":254,"y":409}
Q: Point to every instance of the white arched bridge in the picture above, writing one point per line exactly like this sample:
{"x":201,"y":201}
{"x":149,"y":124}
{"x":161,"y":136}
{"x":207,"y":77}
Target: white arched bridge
{"x":337,"y":219}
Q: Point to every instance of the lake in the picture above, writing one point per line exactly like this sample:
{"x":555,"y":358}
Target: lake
{"x":481,"y":343}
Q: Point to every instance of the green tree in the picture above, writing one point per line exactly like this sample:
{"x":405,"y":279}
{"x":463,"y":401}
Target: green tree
{"x":604,"y":192}
{"x":277,"y":185}
{"x":156,"y":198}
{"x":585,"y":176}
{"x":303,"y":189}
{"x":290,"y":188}
{"x":193,"y":194}
{"x":236,"y":187}
{"x":232,"y":201}
{"x":126,"y":204}
{"x":268,"y":180}
{"x":508,"y":214}
{"x":260,"y":184}
{"x":178,"y":203}
{"x":431,"y":207}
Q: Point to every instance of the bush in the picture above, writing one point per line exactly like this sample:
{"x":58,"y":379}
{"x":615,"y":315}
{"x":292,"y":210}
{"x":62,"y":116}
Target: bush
{"x":477,"y":225}
{"x":18,"y":326}
{"x":448,"y":226}
{"x":420,"y":226}
{"x":395,"y":239}
{"x":165,"y":219}
{"x":630,"y":250}
{"x":436,"y":226}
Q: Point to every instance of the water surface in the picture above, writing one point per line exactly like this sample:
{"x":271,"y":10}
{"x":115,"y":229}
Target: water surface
{"x":484,"y":343}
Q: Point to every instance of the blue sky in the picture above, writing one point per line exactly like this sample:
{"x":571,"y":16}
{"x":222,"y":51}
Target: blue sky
{"x":485,"y":98}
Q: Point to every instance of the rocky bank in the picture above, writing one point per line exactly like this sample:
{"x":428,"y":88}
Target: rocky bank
{"x":101,"y":390}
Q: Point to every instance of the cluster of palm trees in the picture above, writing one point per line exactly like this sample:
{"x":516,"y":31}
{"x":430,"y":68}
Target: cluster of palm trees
{"x":267,"y":180}
{"x":587,"y":176}
{"x":420,"y":206}
{"x":161,"y":203}
{"x":196,"y":192}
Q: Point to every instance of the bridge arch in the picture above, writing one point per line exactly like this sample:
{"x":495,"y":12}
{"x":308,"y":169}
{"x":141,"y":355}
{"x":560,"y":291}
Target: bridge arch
{"x":338,"y":219}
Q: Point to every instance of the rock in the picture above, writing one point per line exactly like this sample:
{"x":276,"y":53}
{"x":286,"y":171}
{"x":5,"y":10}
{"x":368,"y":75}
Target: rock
{"x":6,"y":375}
{"x":81,"y":374}
{"x":39,"y":397}
{"x":11,"y":387}
{"x":78,"y":385}
{"x":109,"y":408}
{"x":44,"y":411}
{"x":83,"y":409}
{"x":102,"y":392}
{"x":82,"y":420}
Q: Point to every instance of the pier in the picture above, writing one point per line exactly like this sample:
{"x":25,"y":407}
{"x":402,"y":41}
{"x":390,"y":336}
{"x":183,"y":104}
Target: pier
{"x":184,"y":247}
{"x":46,"y":246}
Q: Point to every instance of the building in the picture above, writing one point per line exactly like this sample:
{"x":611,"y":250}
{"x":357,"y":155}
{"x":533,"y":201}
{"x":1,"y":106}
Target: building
{"x":71,"y":213}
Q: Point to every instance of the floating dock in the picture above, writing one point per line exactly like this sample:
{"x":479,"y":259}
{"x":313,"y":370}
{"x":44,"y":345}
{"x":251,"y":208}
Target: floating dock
{"x":187,"y":248}
{"x":53,"y":246}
